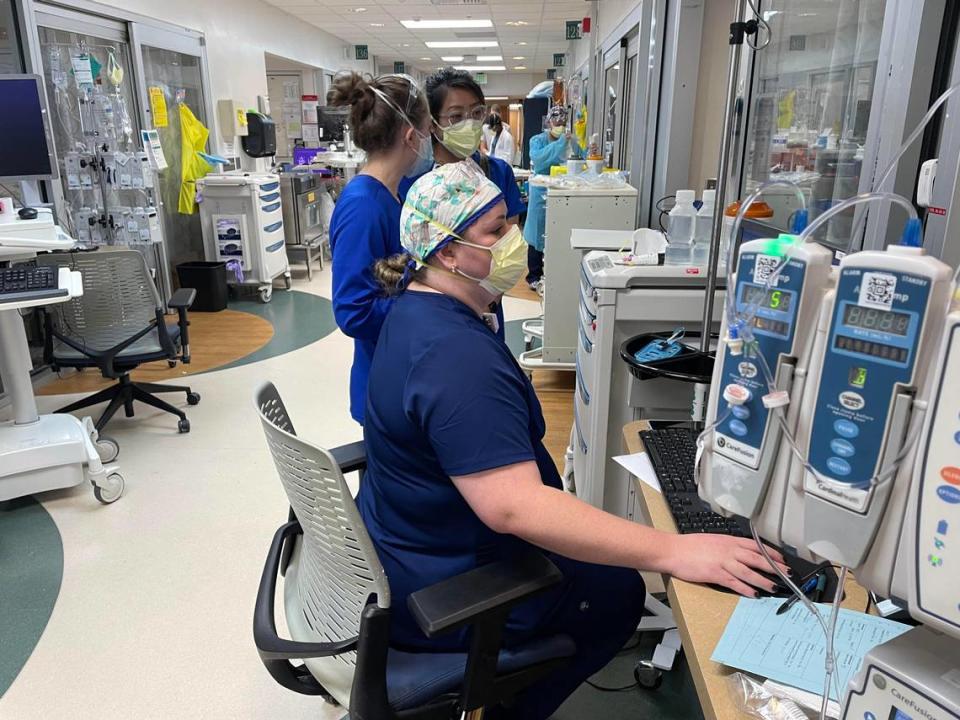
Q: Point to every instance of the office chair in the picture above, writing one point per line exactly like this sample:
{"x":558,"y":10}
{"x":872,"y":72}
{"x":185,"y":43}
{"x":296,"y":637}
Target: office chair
{"x":337,"y":604}
{"x":118,"y":324}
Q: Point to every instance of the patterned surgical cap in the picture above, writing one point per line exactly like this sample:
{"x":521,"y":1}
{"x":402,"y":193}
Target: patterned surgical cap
{"x":442,"y":204}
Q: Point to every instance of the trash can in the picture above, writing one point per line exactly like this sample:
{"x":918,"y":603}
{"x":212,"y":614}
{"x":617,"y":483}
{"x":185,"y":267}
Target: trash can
{"x":209,"y":279}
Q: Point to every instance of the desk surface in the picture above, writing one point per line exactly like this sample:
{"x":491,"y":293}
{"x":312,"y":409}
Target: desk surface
{"x":702,"y":613}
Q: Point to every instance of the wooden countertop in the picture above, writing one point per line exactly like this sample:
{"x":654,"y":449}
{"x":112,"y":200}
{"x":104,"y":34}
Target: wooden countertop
{"x":702,"y":613}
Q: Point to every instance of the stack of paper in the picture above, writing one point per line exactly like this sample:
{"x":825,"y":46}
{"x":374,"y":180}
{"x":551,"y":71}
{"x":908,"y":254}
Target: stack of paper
{"x":791,"y":648}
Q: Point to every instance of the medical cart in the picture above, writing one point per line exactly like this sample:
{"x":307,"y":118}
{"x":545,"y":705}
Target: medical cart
{"x":242,"y":219}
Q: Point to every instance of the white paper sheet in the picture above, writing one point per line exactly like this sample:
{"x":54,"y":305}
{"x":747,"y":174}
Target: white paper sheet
{"x":639,"y":465}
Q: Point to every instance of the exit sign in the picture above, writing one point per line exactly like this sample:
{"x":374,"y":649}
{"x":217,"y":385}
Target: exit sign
{"x":480,"y":78}
{"x":559,"y":59}
{"x":399,"y":67}
{"x":362,"y":52}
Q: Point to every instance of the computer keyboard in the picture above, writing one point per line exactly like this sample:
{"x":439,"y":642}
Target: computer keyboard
{"x":29,"y":283}
{"x":672,"y":453}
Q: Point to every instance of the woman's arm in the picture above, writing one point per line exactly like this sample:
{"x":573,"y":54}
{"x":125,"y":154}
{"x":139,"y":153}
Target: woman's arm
{"x":547,"y":153}
{"x":513,"y":500}
{"x":359,"y":304}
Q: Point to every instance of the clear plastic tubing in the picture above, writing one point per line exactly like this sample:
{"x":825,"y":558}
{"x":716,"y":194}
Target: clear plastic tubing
{"x":875,"y":196}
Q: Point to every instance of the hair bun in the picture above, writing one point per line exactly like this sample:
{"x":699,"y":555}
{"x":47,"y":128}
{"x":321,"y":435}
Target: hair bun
{"x":348,"y":89}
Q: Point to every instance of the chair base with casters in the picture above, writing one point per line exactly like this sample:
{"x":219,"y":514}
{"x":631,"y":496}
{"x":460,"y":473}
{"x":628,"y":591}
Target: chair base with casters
{"x":123,"y":394}
{"x":337,"y":604}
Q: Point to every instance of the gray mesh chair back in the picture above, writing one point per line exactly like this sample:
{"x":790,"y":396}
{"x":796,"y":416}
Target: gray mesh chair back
{"x":119,"y":299}
{"x":334,"y":569}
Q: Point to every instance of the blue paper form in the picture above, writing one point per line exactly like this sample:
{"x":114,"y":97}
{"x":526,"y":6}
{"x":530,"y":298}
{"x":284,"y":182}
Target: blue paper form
{"x":790,"y":648}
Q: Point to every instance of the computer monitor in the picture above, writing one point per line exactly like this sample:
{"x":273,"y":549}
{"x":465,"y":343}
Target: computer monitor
{"x":331,"y":121}
{"x":26,"y":149}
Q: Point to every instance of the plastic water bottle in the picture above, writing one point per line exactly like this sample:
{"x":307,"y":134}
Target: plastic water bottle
{"x":702,"y":229}
{"x":680,"y":229}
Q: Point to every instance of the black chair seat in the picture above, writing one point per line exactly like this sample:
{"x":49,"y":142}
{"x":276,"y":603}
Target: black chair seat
{"x":414,"y":679}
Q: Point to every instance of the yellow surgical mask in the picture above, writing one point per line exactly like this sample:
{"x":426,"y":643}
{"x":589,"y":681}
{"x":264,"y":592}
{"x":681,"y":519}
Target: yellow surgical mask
{"x":508,"y":262}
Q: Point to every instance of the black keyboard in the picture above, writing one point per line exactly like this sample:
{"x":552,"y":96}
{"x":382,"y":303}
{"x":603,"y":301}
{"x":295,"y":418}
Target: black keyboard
{"x":672,"y":452}
{"x":29,"y":283}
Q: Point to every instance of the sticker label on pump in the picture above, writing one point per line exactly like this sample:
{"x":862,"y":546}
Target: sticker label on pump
{"x":877,"y":290}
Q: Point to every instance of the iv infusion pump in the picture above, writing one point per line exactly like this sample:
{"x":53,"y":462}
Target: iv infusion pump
{"x":862,"y":466}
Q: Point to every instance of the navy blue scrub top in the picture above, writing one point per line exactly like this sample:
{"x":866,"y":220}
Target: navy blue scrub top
{"x":365,"y":228}
{"x":501,"y":175}
{"x":446,"y":397}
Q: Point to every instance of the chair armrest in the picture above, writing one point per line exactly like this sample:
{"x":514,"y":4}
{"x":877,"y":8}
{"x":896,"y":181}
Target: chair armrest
{"x":269,"y":644}
{"x":351,"y":457}
{"x":180,"y":301}
{"x":489,"y":590}
{"x":182,"y":298}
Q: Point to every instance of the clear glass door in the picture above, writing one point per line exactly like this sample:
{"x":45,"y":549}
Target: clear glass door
{"x":174,"y":78}
{"x":811,"y":101}
{"x":107,"y":181}
{"x":611,"y":109}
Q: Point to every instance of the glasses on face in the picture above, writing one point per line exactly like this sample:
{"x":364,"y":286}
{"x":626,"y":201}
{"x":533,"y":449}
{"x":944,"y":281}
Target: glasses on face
{"x":458,"y":115}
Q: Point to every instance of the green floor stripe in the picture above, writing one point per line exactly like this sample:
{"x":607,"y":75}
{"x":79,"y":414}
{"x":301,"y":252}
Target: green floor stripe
{"x":298,"y":319}
{"x":31,"y":568}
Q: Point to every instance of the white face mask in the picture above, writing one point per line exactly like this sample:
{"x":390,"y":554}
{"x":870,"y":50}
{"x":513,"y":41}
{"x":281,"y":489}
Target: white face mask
{"x":508,"y":262}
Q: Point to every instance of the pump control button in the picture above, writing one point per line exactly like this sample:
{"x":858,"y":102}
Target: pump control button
{"x":951,"y":474}
{"x":838,"y":466}
{"x":846,"y":429}
{"x":740,"y":412}
{"x":841,"y":447}
{"x":738,"y":428}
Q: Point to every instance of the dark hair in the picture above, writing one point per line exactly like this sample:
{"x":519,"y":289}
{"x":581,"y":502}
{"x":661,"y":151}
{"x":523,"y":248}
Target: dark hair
{"x":495,"y":123}
{"x":390,"y":272}
{"x":495,"y":109}
{"x":438,"y":84}
{"x":374,"y":125}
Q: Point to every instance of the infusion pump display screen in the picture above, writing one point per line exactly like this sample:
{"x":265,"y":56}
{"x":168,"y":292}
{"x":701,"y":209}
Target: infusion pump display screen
{"x":867,"y":318}
{"x":898,"y":714}
{"x":779,"y":300}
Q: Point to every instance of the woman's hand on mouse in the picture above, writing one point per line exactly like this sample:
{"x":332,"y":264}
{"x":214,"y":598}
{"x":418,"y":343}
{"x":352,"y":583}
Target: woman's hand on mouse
{"x":734,"y":563}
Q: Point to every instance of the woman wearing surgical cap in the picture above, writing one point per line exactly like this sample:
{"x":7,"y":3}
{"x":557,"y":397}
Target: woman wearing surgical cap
{"x":547,"y":149}
{"x":457,"y":473}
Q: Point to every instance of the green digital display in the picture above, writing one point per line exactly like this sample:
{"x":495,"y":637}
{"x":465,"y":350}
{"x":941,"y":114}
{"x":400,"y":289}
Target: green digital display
{"x":779,"y":300}
{"x":858,"y":376}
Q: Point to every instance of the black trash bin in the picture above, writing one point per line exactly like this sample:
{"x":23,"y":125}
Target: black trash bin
{"x":209,"y":279}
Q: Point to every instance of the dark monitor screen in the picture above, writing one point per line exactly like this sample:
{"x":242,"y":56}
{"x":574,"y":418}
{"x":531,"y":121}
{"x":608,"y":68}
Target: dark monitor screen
{"x":331,"y":122}
{"x":23,"y":133}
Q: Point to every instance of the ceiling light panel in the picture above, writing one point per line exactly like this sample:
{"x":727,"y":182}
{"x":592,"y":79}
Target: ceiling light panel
{"x":445,"y":24}
{"x":440,"y":44}
{"x":481,"y":68}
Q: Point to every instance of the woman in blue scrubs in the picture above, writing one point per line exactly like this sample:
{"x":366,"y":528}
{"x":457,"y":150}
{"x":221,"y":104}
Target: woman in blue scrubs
{"x":547,"y":149}
{"x":458,"y":109}
{"x":458,"y":475}
{"x":390,"y":121}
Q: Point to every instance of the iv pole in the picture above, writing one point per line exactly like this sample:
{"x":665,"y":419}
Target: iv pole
{"x":738,"y":31}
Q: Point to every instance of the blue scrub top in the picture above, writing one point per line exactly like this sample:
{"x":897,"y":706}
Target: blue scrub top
{"x":365,"y":228}
{"x":501,"y":175}
{"x":446,"y":397}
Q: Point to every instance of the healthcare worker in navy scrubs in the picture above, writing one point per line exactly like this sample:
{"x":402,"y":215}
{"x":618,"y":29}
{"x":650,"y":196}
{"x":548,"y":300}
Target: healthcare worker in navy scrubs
{"x":457,"y":473}
{"x":390,"y":121}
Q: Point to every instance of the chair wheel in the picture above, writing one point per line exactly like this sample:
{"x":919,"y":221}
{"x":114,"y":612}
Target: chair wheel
{"x":183,"y":426}
{"x":171,"y":364}
{"x":112,"y":493}
{"x":647,"y":676}
{"x":193,"y":398}
{"x":107,"y":448}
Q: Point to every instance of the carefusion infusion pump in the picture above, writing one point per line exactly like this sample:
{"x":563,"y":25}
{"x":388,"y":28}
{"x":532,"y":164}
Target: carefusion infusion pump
{"x":871,"y":362}
{"x":916,"y":676}
{"x":746,"y":437}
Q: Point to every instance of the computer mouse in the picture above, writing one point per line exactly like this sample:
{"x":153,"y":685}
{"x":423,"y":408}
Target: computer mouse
{"x":28,"y":213}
